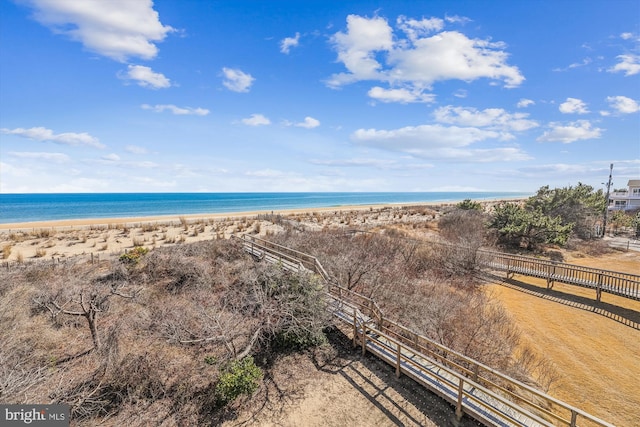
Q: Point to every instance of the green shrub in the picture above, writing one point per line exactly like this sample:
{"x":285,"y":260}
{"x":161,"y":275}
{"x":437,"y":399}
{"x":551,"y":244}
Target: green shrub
{"x":469,"y":205}
{"x":134,"y":255}
{"x":239,"y":377}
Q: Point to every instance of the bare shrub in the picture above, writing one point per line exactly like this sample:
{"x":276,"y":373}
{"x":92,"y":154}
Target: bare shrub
{"x":6,"y":251}
{"x":43,"y":233}
{"x":591,"y":247}
{"x":137,"y":242}
{"x":73,"y":296}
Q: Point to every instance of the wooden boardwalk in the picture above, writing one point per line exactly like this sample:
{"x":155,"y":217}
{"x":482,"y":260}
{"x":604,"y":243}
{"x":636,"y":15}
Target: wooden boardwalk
{"x":471,"y":387}
{"x":622,"y":284}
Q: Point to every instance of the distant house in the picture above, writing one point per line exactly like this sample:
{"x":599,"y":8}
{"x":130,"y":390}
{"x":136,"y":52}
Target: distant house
{"x":628,"y":199}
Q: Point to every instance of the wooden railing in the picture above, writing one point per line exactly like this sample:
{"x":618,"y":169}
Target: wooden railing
{"x":613,"y":282}
{"x":484,"y":393}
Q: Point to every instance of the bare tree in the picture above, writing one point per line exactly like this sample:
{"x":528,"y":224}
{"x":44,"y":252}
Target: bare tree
{"x":85,"y":299}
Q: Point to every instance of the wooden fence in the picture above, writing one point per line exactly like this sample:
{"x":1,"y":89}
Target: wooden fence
{"x":485,"y":394}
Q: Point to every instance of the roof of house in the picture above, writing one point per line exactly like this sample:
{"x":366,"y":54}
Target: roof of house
{"x":634,"y":183}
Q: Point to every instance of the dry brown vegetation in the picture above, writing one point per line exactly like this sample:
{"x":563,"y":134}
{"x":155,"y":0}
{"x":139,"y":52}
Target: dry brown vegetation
{"x":152,"y":337}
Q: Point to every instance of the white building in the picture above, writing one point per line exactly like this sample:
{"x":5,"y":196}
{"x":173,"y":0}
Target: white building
{"x":628,"y":199}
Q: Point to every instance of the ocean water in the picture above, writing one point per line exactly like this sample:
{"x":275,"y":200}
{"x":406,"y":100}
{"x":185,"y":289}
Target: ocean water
{"x":48,"y":207}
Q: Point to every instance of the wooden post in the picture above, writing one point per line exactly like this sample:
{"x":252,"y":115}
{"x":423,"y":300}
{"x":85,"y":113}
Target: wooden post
{"x":398,"y":358}
{"x":364,"y":338}
{"x":355,"y":329}
{"x":599,"y":288}
{"x":459,"y":404}
{"x":550,"y":277}
{"x":574,"y":418}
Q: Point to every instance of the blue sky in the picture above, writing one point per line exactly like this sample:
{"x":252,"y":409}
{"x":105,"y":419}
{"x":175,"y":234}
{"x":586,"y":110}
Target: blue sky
{"x":217,"y":96}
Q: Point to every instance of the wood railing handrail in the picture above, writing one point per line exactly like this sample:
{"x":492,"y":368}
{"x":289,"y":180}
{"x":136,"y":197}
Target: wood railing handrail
{"x":557,"y":264}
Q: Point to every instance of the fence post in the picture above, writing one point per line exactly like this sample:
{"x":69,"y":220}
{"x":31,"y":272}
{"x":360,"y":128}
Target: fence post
{"x":459,"y":404}
{"x":399,"y":348}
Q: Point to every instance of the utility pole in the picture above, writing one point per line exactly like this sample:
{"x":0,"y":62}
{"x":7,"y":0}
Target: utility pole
{"x":606,"y":202}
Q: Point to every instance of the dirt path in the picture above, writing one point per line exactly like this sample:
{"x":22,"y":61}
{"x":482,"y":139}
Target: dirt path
{"x":343,"y":388}
{"x":596,"y":346}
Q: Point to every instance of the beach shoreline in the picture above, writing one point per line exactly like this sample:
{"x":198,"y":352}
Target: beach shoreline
{"x":111,"y":237}
{"x":177,"y":218}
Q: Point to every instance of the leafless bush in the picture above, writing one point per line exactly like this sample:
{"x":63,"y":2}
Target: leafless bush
{"x":82,"y":297}
{"x":595,"y":247}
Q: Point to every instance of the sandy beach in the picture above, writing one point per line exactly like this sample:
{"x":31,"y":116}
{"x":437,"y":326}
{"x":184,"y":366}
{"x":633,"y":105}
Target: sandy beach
{"x":108,"y":237}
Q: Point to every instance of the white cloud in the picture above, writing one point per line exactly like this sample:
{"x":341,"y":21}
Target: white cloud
{"x":256,"y":120}
{"x":44,"y":134}
{"x":308,"y":123}
{"x":415,"y":29}
{"x":629,"y":64}
{"x":524,"y":103}
{"x":491,"y":118}
{"x":288,"y":42}
{"x":117,"y":29}
{"x":585,"y":62}
{"x":266,"y":173}
{"x":460,"y":93}
{"x":573,"y":106}
{"x":623,"y":105}
{"x":236,"y":80}
{"x":8,"y":169}
{"x":357,"y":46}
{"x":574,"y":131}
{"x":438,"y":142}
{"x":377,"y":163}
{"x":457,"y":19}
{"x":111,"y":157}
{"x":134,"y":149}
{"x":180,"y":111}
{"x":415,"y":138}
{"x":403,"y":96}
{"x":146,"y":77}
{"x":626,"y":36}
{"x":418,"y":60}
{"x":50,"y":157}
